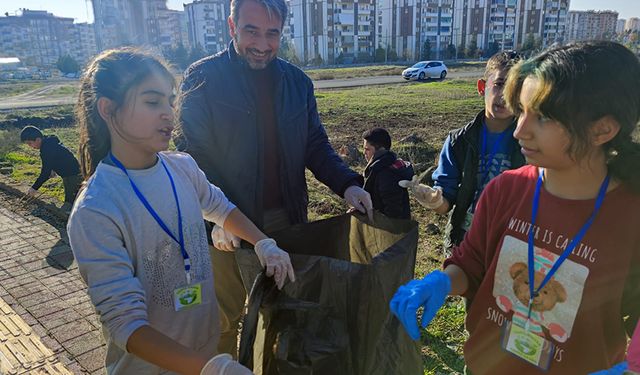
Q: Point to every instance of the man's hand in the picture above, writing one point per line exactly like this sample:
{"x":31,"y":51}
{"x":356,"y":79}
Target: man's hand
{"x":427,"y":196}
{"x":359,"y":199}
{"x":223,"y":364}
{"x":276,"y":261}
{"x":32,"y":192}
{"x":223,"y":240}
{"x":52,"y":174}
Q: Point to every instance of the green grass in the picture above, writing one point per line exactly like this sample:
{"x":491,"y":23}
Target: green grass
{"x":426,"y":111}
{"x":26,"y":162}
{"x":15,"y":88}
{"x":64,"y":90}
{"x":54,"y":112}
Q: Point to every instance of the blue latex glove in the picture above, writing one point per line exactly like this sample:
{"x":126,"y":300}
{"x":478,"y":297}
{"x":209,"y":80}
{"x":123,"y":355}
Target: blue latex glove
{"x":429,"y":292}
{"x":618,"y":369}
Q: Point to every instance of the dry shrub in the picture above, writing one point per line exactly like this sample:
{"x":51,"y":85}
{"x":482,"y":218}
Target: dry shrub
{"x":9,"y":141}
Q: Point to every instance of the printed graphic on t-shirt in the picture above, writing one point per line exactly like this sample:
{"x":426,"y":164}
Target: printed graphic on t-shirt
{"x":500,"y":163}
{"x":164,"y":266}
{"x":554,"y":309}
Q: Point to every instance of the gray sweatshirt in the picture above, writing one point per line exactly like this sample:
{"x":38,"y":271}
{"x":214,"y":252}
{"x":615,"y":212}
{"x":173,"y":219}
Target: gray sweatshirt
{"x":132,"y":267}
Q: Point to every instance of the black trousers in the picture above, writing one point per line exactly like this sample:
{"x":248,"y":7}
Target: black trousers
{"x":71,"y":186}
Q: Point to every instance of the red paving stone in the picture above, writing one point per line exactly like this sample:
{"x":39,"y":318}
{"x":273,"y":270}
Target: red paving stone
{"x":47,"y":323}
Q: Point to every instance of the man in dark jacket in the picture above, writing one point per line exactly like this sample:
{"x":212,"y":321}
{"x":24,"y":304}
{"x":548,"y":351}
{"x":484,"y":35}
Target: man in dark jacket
{"x":250,"y":121}
{"x":383,"y":172}
{"x":55,"y":159}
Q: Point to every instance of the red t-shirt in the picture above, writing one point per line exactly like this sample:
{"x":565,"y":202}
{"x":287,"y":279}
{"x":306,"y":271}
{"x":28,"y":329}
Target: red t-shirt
{"x":582,"y":308}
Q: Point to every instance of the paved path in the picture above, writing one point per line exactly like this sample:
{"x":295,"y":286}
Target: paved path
{"x":47,"y":322}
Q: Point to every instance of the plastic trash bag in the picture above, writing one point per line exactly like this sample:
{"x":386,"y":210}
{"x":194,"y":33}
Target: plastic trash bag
{"x":335,"y":318}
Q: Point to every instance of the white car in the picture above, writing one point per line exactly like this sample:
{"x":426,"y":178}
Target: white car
{"x":424,"y":70}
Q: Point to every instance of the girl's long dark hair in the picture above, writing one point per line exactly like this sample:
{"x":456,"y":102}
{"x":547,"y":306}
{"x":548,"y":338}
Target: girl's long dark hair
{"x":111,"y":74}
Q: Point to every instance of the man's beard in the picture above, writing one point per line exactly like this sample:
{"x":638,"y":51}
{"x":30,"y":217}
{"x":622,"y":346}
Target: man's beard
{"x":252,"y":64}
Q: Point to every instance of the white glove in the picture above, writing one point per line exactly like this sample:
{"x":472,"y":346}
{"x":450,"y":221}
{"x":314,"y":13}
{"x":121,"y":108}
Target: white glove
{"x":276,"y":260}
{"x":358,"y":198}
{"x":223,"y":364}
{"x":223,"y":240}
{"x":427,"y":196}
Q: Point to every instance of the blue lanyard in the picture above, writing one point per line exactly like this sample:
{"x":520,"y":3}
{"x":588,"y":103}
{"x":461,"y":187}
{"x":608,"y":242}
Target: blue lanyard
{"x":486,"y":163}
{"x":180,"y":239}
{"x":574,"y":242}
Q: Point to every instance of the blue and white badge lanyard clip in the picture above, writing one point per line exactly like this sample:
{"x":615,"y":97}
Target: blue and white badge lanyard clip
{"x":565,"y":254}
{"x":180,"y":239}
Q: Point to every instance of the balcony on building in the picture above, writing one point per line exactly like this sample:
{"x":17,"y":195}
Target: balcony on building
{"x":345,"y":18}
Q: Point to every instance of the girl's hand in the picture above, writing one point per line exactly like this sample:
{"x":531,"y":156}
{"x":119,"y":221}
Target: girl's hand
{"x":223,"y":240}
{"x":223,"y":364}
{"x":618,"y":369}
{"x":275,"y":260}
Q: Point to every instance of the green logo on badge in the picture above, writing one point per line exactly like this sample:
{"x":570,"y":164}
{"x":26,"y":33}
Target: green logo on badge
{"x":526,"y":345}
{"x":188,"y":296}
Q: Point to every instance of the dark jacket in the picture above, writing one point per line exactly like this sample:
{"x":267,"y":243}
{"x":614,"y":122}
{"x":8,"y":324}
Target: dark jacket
{"x":219,"y":129}
{"x":57,"y":158}
{"x":381,"y":178}
{"x":465,"y":142}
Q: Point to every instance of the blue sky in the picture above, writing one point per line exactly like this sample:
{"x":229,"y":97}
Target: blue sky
{"x":81,"y":9}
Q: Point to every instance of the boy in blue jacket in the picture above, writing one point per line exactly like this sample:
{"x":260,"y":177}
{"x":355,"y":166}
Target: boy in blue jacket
{"x":476,"y":153}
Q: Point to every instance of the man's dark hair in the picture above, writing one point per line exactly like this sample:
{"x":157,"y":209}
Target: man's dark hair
{"x":30,"y":133}
{"x":274,"y":7}
{"x":378,"y":137}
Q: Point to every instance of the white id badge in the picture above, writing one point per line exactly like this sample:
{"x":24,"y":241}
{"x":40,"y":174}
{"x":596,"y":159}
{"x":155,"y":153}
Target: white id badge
{"x":527,"y":346}
{"x":187,"y":296}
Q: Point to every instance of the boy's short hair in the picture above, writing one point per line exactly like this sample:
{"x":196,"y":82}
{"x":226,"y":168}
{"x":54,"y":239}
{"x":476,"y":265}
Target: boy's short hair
{"x":30,"y":133}
{"x":378,"y":137}
{"x":503,"y":60}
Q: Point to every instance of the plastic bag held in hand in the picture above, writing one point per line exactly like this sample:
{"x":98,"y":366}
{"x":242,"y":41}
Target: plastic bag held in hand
{"x":359,"y":199}
{"x":427,"y":196}
{"x":275,"y":260}
{"x":223,"y":240}
{"x":223,"y":364}
{"x":429,"y":292}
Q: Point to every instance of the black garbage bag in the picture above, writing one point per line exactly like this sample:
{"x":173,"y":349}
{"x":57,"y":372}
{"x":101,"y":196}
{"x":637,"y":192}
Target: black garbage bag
{"x":335,"y":318}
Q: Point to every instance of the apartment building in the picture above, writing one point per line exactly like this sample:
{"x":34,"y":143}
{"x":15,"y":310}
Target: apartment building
{"x":333,"y":31}
{"x":38,"y":37}
{"x":207,"y":24}
{"x":82,"y":44}
{"x":436,"y":26}
{"x":113,"y":23}
{"x":123,"y":22}
{"x":620,"y":25}
{"x":592,"y":25}
{"x":633,"y":24}
{"x":486,"y":22}
{"x":172,"y":29}
{"x":508,"y":23}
